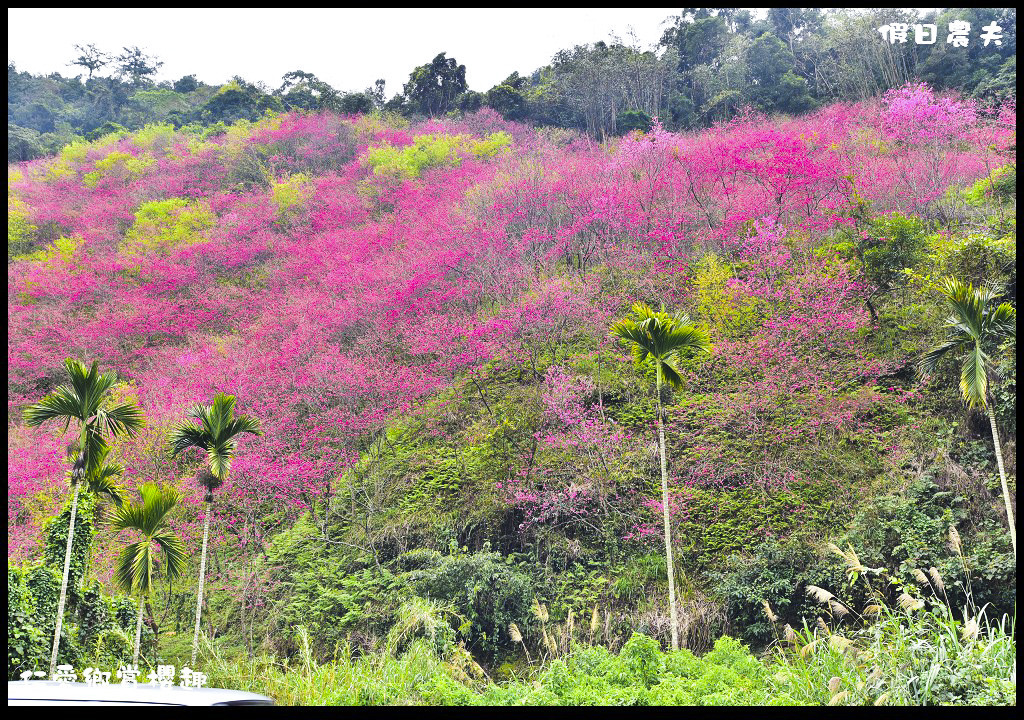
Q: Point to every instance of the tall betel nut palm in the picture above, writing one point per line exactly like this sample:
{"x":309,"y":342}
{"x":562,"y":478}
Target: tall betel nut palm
{"x":216,"y":433}
{"x":136,"y":563}
{"x":86,"y":399}
{"x":660,"y":338}
{"x":971,"y":328}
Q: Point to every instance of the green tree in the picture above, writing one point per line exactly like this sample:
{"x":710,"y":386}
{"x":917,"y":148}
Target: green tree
{"x":92,"y":59}
{"x":507,"y":97}
{"x":661,"y":339}
{"x":470,"y":101}
{"x":238,"y":100}
{"x":186,"y":84}
{"x":303,"y":90}
{"x":87,"y":400}
{"x":433,"y":88}
{"x":137,"y":66}
{"x":774,"y":83}
{"x":971,"y":327}
{"x":136,"y":563}
{"x":217,"y":433}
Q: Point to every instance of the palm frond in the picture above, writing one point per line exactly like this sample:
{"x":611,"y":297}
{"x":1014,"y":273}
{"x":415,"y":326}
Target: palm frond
{"x":1002,"y":321}
{"x":175,"y":556}
{"x":927,"y":364}
{"x":142,"y":567}
{"x":242,"y":424}
{"x":61,"y":403}
{"x":128,"y":517}
{"x":671,"y":375}
{"x":124,"y":569}
{"x":221,"y":411}
{"x":628,"y":330}
{"x":123,"y":419}
{"x":974,"y":379}
{"x":187,"y":435}
{"x":103,"y":482}
{"x":966,"y":302}
{"x":220,"y":459}
{"x":682,"y":337}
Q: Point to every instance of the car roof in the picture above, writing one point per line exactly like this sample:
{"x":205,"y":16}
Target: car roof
{"x":37,"y":692}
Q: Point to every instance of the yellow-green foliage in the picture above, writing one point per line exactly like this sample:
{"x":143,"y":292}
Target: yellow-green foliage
{"x":19,"y":229}
{"x":430,"y":151}
{"x":491,"y":146}
{"x":1000,"y":185}
{"x":120,"y":165}
{"x":370,"y":126}
{"x":163,"y":225}
{"x":65,"y":165}
{"x":716,"y":303}
{"x":291,"y":196}
{"x":155,"y":138}
{"x":61,"y":250}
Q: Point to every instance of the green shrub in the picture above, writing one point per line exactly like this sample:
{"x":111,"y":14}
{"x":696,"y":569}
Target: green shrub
{"x":776,"y":573}
{"x":431,"y":151}
{"x":161,"y":226}
{"x":489,"y":592}
{"x":27,"y":644}
{"x":291,"y":196}
{"x":1000,"y":186}
{"x":894,"y":242}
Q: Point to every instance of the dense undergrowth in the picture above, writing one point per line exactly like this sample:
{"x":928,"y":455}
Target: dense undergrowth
{"x":456,"y":495}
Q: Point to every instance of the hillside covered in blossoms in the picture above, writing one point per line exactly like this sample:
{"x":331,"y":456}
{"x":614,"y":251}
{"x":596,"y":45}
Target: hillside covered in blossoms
{"x":456,"y":456}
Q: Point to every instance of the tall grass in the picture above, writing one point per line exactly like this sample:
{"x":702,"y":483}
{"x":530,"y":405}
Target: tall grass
{"x":379,"y":679}
{"x":920,"y":652}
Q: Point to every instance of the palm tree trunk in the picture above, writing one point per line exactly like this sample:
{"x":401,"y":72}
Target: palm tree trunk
{"x":138,"y":634}
{"x":64,"y":583}
{"x":202,"y":576}
{"x":1002,"y":479}
{"x":668,"y":532}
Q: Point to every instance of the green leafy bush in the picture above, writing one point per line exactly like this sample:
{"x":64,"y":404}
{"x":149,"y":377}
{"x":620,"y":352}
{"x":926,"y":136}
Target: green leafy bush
{"x":641,"y":674}
{"x":162,"y":226}
{"x":488,"y":591}
{"x":776,"y":573}
{"x":26,"y":641}
{"x":893,"y":242}
{"x":431,"y":151}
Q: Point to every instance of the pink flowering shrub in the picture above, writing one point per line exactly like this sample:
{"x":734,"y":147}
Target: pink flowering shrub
{"x":372,"y":295}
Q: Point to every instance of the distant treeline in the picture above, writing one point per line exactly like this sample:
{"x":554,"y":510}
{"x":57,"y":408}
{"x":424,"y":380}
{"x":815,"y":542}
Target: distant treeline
{"x":710,"y":63}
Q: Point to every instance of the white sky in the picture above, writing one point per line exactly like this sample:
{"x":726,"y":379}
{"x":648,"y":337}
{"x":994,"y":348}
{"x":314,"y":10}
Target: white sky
{"x":348,"y":49}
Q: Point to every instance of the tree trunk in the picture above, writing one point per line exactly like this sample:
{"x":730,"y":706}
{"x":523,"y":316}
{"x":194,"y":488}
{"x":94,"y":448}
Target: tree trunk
{"x":64,"y":582}
{"x":668,"y":531}
{"x":1002,"y":479}
{"x":138,"y":634}
{"x":202,"y":577}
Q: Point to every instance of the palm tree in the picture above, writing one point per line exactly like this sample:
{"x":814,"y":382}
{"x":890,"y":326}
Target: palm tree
{"x":661,"y":338}
{"x":135,"y":565}
{"x":87,"y":400}
{"x":971,"y":327}
{"x":216,"y":433}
